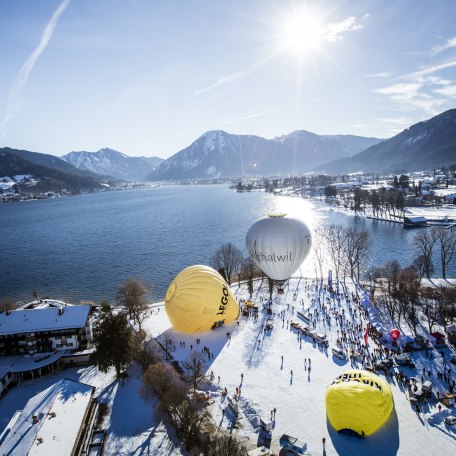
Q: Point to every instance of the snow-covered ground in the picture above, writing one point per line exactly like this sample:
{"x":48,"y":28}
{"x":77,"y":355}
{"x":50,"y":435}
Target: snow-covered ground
{"x":433,"y":213}
{"x":299,"y":398}
{"x":133,"y":428}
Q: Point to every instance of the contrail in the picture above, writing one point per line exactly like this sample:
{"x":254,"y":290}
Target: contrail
{"x":13,"y":107}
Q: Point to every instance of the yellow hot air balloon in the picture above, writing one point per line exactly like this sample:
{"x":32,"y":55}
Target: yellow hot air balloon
{"x":360,"y":401}
{"x":199,"y":299}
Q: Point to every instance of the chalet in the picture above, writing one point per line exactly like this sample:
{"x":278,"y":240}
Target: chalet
{"x":44,"y":329}
{"x":57,"y":421}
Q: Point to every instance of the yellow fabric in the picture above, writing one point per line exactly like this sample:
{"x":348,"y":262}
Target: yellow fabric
{"x":197,"y":298}
{"x":359,"y":400}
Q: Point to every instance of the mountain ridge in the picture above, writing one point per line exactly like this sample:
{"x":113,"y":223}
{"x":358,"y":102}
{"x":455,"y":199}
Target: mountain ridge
{"x":217,"y":153}
{"x":113,"y":163}
{"x":427,"y":144}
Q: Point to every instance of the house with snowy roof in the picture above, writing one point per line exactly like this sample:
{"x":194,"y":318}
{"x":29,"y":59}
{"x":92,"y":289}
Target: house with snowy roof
{"x":44,"y":329}
{"x":57,"y":421}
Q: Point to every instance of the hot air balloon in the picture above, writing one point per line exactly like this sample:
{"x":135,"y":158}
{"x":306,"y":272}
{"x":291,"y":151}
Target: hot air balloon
{"x":199,"y":299}
{"x":278,"y":244}
{"x":358,"y":401}
{"x":395,"y":334}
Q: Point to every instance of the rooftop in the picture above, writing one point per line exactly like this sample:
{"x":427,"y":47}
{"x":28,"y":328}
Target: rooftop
{"x":47,"y":319}
{"x":60,"y":410}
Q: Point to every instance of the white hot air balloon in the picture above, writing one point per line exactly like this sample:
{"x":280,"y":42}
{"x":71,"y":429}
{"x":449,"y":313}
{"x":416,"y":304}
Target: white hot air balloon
{"x":278,"y":244}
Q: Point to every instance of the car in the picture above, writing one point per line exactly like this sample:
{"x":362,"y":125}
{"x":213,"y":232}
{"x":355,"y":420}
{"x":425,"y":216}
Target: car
{"x":269,"y":323}
{"x":450,"y":420}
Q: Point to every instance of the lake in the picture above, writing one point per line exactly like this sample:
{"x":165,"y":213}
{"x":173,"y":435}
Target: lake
{"x":83,"y":247}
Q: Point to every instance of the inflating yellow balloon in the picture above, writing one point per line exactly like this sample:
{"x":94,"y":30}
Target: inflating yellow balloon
{"x":360,"y":401}
{"x":199,"y":299}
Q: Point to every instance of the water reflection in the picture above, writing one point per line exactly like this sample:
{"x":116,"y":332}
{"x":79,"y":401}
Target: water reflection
{"x":83,"y":247}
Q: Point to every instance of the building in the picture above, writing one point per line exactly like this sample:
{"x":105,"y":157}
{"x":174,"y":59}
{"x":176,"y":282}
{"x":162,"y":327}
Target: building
{"x":57,"y":421}
{"x":38,"y":337}
{"x":44,"y":329}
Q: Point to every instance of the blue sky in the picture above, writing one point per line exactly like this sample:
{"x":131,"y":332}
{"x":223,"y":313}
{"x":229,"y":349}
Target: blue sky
{"x":148,"y":77}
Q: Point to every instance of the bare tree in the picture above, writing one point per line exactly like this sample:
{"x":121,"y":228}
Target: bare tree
{"x":391,"y":271}
{"x":408,"y":294}
{"x":248,"y":269}
{"x":187,"y":415}
{"x":223,"y":444}
{"x":157,"y":379}
{"x":227,"y":260}
{"x":146,"y":351}
{"x":132,"y":294}
{"x":7,"y":304}
{"x":447,"y":242}
{"x":195,"y":366}
{"x":105,"y":306}
{"x":429,"y":296}
{"x":335,"y":240}
{"x":319,"y":250}
{"x":356,"y":247}
{"x":425,"y":241}
{"x":446,"y":302}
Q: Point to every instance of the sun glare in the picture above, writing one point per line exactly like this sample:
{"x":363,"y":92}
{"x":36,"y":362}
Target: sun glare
{"x":303,"y":33}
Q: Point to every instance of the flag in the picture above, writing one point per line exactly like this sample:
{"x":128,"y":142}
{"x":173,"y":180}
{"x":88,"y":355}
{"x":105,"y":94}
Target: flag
{"x":366,"y":334}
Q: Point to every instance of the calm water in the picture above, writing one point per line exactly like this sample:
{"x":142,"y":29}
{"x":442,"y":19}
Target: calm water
{"x":83,"y":247}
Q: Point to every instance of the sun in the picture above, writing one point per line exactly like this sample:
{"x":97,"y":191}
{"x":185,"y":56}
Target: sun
{"x":303,"y":32}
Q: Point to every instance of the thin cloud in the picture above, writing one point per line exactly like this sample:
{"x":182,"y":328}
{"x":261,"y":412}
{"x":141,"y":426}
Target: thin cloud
{"x":14,"y":104}
{"x":431,"y":69}
{"x":450,"y":43}
{"x":238,"y":76}
{"x":402,"y":91}
{"x":223,"y":80}
{"x":382,"y":75}
{"x":421,"y":90}
{"x":334,"y":32}
{"x":447,"y":91}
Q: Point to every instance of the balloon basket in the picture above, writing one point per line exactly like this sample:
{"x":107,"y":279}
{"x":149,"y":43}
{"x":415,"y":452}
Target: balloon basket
{"x":280,"y":291}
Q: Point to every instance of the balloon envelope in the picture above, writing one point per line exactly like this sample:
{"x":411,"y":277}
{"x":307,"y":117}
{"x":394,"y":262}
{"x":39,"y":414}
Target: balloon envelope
{"x":278,"y":244}
{"x":395,"y":334}
{"x":359,"y":400}
{"x":198,"y":298}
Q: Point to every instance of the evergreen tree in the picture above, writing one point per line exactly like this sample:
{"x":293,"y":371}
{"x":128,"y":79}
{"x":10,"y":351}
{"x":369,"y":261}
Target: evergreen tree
{"x":113,"y":342}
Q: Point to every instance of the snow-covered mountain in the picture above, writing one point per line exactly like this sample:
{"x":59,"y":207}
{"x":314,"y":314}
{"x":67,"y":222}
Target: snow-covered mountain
{"x":109,"y":162}
{"x":218,"y":153}
{"x":425,"y":145}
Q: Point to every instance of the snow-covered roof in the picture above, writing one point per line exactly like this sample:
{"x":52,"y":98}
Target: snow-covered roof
{"x":44,"y":303}
{"x":60,"y":410}
{"x":29,"y":362}
{"x":5,"y":364}
{"x":47,"y":319}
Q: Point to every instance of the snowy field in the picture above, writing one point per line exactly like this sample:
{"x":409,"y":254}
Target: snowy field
{"x":135,"y":429}
{"x":299,"y":399}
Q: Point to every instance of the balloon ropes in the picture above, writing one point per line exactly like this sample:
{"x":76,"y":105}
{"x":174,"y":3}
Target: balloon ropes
{"x":199,"y":299}
{"x":358,"y":401}
{"x":278,"y":244}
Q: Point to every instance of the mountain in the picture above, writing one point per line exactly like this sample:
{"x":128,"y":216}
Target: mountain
{"x":220,"y":154}
{"x":49,"y":179}
{"x":113,"y":163}
{"x":46,"y":160}
{"x":425,"y":145}
{"x":153,"y":161}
